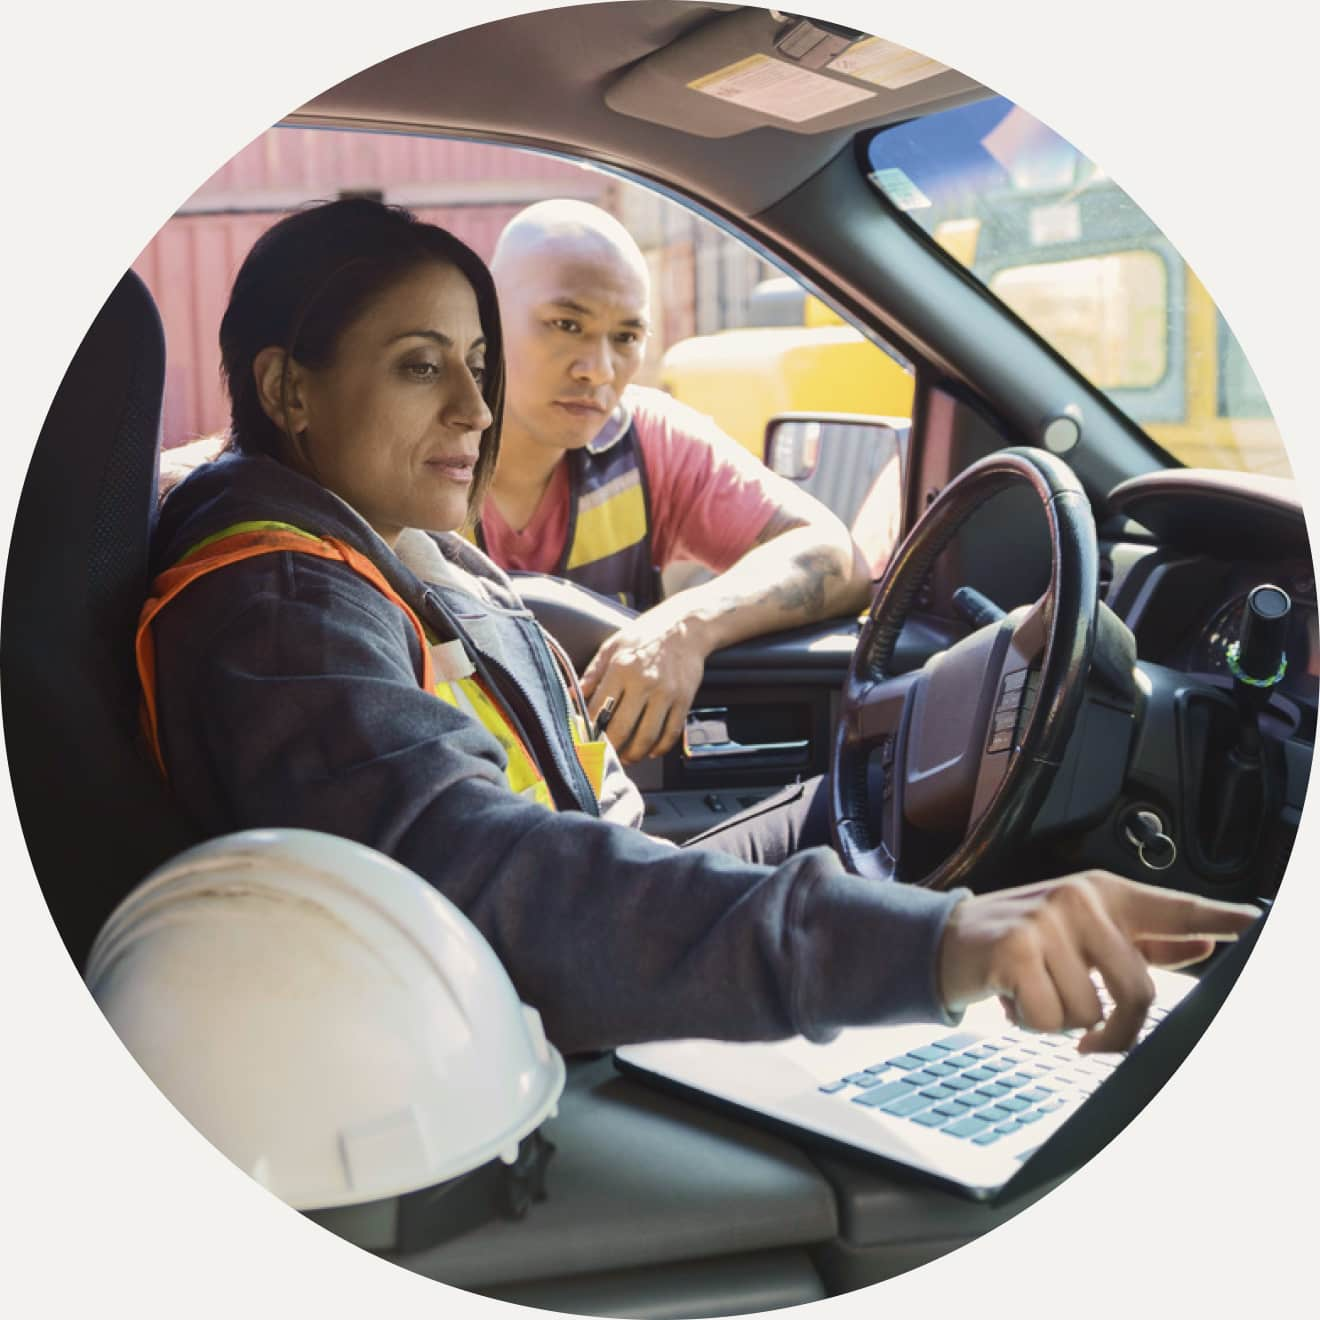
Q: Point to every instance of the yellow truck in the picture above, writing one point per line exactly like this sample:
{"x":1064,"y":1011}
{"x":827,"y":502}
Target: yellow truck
{"x":1084,"y":266}
{"x":798,"y":355}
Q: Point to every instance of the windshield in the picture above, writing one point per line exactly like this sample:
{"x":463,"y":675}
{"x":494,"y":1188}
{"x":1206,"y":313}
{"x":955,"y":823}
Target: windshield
{"x":1083,"y":265}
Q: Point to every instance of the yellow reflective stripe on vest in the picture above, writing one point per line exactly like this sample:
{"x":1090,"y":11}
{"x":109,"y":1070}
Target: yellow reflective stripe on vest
{"x":244,"y":540}
{"x":467,"y":694}
{"x":609,"y":519}
{"x":237,"y":529}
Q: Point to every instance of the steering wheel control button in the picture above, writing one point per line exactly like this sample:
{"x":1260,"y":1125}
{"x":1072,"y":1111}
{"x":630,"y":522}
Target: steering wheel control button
{"x":1012,"y":682}
{"x":1029,"y":690}
{"x":1017,"y":699}
{"x":1008,"y":711}
{"x":1144,"y":830}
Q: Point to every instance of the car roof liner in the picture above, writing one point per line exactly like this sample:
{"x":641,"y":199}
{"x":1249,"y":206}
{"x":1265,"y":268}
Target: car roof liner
{"x":622,"y":98}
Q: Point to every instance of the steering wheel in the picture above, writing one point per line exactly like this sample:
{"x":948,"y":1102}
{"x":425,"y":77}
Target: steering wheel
{"x":967,"y":746}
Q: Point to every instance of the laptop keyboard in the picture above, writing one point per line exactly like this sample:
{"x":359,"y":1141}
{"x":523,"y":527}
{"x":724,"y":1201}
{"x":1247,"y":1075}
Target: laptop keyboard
{"x":982,"y":1088}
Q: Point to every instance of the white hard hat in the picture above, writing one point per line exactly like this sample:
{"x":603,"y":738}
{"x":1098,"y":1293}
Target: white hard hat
{"x":324,"y":1017}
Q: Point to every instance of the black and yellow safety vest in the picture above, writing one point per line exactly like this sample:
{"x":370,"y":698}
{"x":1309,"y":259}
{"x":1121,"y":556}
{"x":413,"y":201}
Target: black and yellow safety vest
{"x":608,"y":545}
{"x":447,"y":672}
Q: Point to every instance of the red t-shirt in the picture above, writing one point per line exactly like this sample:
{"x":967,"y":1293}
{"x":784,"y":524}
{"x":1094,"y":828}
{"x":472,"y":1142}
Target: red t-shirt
{"x":710,"y":498}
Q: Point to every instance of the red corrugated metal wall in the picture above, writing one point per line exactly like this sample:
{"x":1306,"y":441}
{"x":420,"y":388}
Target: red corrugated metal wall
{"x":315,"y":159}
{"x":189,"y":266}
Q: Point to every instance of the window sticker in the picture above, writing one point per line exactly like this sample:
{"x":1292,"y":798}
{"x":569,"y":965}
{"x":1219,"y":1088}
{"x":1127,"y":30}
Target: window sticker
{"x":885,"y":64}
{"x":900,"y":189}
{"x":779,"y":89}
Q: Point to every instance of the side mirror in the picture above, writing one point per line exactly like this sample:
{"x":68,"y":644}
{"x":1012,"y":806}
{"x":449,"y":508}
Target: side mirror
{"x":792,"y":446}
{"x":838,"y":457}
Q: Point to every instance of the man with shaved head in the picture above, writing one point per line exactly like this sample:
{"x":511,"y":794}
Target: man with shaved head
{"x":605,"y":483}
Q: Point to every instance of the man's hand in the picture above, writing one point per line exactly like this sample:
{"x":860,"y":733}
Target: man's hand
{"x":1036,"y":946}
{"x":652,"y":669}
{"x":797,"y":571}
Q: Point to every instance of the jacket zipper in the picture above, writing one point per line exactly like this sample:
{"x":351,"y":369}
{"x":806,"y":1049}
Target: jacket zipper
{"x":558,"y":661}
{"x":578,"y":785}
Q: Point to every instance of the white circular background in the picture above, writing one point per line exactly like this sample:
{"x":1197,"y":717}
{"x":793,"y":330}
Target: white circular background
{"x":114,"y":113}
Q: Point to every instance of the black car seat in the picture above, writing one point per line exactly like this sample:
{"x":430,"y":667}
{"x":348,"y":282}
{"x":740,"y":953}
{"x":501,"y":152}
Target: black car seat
{"x":94,"y":813}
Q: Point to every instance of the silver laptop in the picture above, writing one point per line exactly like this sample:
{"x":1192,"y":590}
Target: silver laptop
{"x":984,"y":1108}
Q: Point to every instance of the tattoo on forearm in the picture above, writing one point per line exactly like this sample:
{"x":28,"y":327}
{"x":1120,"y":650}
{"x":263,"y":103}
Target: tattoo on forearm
{"x":805,"y":591}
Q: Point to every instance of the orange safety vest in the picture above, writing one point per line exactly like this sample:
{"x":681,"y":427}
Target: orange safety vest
{"x":470,"y":694}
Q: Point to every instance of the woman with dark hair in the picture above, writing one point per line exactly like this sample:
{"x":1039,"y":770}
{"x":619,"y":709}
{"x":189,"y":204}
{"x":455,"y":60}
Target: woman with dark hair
{"x":320,"y":650}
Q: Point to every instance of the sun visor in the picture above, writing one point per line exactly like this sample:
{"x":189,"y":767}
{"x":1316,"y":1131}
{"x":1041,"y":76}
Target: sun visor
{"x":757,"y":68}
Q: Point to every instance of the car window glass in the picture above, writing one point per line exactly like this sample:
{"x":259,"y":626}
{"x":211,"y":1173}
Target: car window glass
{"x":1240,"y":394}
{"x":730,"y":334}
{"x":1058,"y":241}
{"x":1106,"y":314}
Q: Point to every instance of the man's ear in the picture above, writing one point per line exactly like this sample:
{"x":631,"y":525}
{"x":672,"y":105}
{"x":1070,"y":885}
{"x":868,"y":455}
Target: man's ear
{"x":279,"y":381}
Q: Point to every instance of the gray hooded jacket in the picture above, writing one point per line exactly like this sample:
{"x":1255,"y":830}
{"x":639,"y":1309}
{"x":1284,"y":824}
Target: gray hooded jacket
{"x":289,"y":695}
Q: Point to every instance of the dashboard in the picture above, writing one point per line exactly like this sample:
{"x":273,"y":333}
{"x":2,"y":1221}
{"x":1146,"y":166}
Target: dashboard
{"x":1187,"y":610}
{"x":1198,"y":543}
{"x":1207,"y":652}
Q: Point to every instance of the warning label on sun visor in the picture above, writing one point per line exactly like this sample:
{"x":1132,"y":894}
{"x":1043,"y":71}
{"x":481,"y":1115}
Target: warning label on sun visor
{"x":779,"y":89}
{"x":885,"y":63}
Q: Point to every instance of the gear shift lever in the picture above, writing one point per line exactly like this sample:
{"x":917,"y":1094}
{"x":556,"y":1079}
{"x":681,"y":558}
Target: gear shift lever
{"x":1258,"y":661}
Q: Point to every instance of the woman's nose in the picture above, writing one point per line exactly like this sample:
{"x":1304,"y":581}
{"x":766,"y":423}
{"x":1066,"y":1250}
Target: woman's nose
{"x":466,"y":407}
